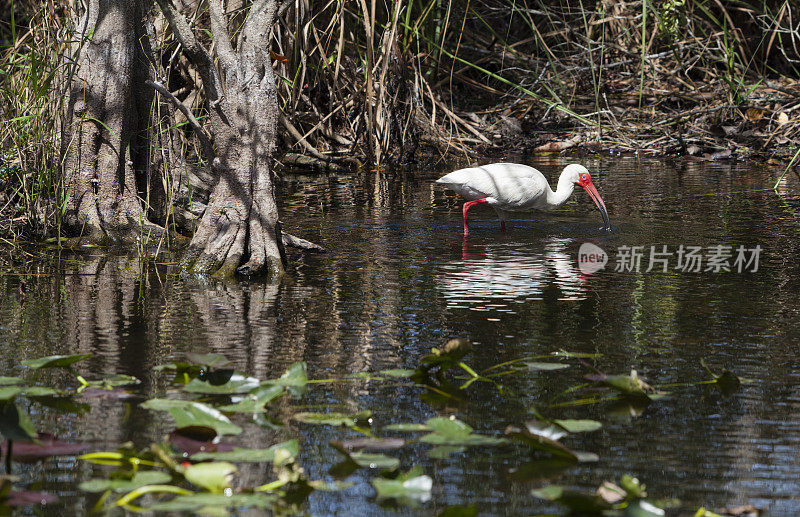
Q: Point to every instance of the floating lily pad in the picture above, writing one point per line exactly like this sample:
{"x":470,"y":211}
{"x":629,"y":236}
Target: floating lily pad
{"x":255,"y":401}
{"x":628,"y":385}
{"x":335,"y":419}
{"x":440,"y":452}
{"x":459,"y":511}
{"x":539,"y":440}
{"x":214,"y":476}
{"x":411,"y":428}
{"x":450,"y":431}
{"x":295,"y":380}
{"x":578,"y":502}
{"x":412,"y":486}
{"x":114,"y":381}
{"x":55,"y":361}
{"x":576,"y":355}
{"x":237,"y":383}
{"x":727,"y":381}
{"x":540,"y":469}
{"x":194,"y":502}
{"x":367,"y":459}
{"x":578,"y":426}
{"x":8,"y":381}
{"x":288,"y":449}
{"x":194,"y":417}
{"x":140,"y":479}
{"x":450,"y":355}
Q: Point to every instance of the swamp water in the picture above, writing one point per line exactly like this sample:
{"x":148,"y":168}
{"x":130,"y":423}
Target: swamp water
{"x":398,"y":279}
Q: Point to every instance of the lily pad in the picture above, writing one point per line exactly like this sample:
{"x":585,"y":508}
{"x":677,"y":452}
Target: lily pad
{"x":194,"y":417}
{"x":578,"y":502}
{"x":294,"y":380}
{"x":367,"y":459}
{"x":255,"y":401}
{"x":627,"y":385}
{"x":194,"y":502}
{"x":55,"y":361}
{"x":140,"y":479}
{"x":410,"y":486}
{"x":237,"y":383}
{"x":450,"y":355}
{"x":542,"y":442}
{"x":578,"y":426}
{"x":410,"y":428}
{"x":8,"y":381}
{"x":214,"y":476}
{"x":114,"y":381}
{"x":8,"y":393}
{"x":450,"y":431}
{"x":335,"y":419}
{"x":287,"y":449}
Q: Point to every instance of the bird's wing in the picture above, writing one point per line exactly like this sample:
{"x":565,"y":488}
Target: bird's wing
{"x":508,"y":184}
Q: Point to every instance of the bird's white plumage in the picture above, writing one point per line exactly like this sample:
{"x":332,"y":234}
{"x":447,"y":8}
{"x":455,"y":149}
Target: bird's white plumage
{"x":506,"y":186}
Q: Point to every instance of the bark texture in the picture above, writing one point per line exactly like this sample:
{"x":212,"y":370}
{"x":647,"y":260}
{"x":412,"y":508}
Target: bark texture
{"x":103,"y":123}
{"x":239,"y":230}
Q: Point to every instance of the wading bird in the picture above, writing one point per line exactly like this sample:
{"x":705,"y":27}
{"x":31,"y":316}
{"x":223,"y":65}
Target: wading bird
{"x":511,"y":187}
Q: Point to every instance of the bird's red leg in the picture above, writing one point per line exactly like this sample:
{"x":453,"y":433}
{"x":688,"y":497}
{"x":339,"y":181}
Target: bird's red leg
{"x":467,"y":206}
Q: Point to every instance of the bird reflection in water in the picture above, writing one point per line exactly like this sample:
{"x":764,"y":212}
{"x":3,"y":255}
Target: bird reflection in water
{"x":496,"y":275}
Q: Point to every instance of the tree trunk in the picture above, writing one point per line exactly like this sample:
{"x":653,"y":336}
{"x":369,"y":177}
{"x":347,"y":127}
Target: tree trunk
{"x":239,"y":230}
{"x":102,"y":121}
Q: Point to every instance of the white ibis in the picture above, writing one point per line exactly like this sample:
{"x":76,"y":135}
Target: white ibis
{"x":511,"y":187}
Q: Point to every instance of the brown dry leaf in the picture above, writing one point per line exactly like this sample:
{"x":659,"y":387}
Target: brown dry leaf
{"x":773,"y":161}
{"x":753,"y":114}
{"x":278,"y":57}
{"x":610,"y":492}
{"x":783,"y":119}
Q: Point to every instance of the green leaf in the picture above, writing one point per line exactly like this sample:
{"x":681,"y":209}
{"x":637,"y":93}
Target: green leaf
{"x":294,"y":379}
{"x":237,"y":383}
{"x":452,"y":353}
{"x":578,"y":502}
{"x":397,"y":373}
{"x":335,"y":419}
{"x":255,"y":401}
{"x":190,"y":415}
{"x":14,"y":423}
{"x":450,"y":431}
{"x":140,"y":479}
{"x":579,"y":426}
{"x":413,"y":485}
{"x":368,"y":460}
{"x":55,"y":361}
{"x":8,"y":381}
{"x":282,"y":451}
{"x":114,"y":381}
{"x":546,"y":366}
{"x":215,"y":476}
{"x":540,"y":442}
{"x":9,"y":392}
{"x":194,"y":502}
{"x":411,"y":428}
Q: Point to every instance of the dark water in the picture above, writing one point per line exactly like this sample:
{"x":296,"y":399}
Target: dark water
{"x":398,"y":279}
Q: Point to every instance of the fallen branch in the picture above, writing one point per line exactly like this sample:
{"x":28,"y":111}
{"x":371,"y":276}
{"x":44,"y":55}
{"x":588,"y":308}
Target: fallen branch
{"x":297,"y":242}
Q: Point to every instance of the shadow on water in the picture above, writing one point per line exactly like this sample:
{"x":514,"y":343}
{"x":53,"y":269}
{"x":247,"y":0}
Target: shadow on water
{"x":399,"y":279}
